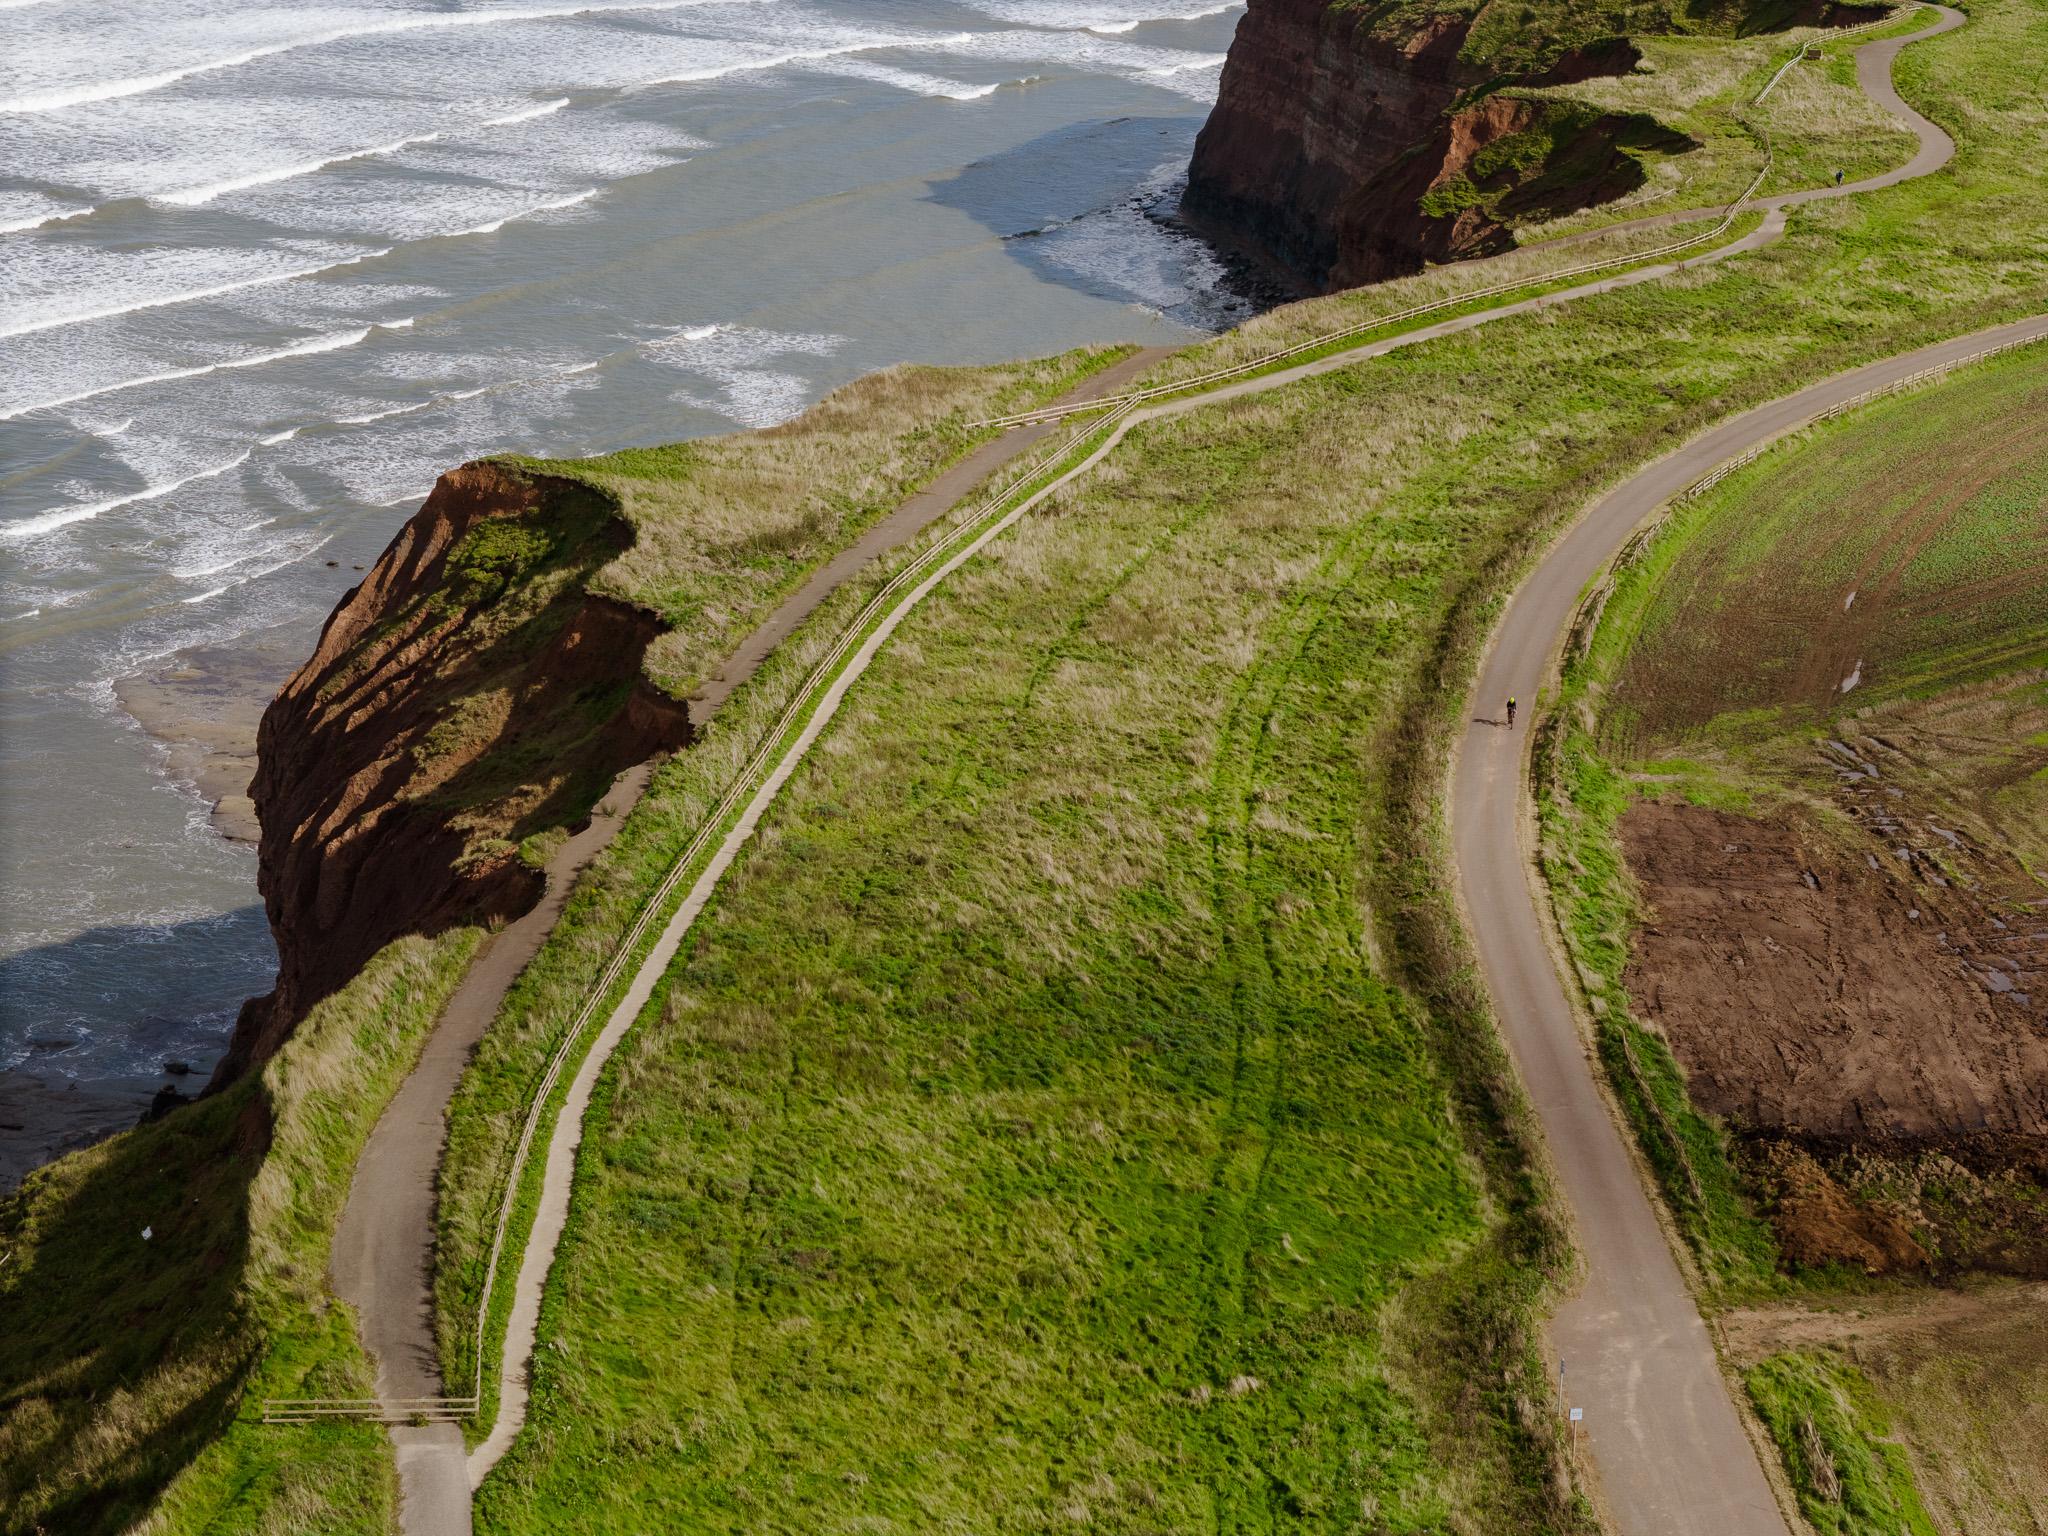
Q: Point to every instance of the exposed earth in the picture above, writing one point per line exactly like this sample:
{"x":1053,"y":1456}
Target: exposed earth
{"x":1811,"y":990}
{"x":1837,"y":703}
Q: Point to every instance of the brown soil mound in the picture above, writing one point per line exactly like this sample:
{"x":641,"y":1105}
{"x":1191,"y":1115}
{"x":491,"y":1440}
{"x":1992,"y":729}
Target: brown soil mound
{"x":1818,"y":1223}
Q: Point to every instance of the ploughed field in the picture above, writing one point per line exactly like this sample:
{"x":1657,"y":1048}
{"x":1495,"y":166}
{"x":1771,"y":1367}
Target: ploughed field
{"x":1901,"y":552}
{"x":1797,"y":821}
{"x":1851,"y":635}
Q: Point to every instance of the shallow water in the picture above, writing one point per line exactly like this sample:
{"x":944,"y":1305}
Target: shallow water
{"x":265,"y":270}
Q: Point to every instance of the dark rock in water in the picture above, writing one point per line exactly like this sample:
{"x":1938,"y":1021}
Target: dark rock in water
{"x":167,"y":1099}
{"x":178,"y":1068}
{"x":42,"y":1119}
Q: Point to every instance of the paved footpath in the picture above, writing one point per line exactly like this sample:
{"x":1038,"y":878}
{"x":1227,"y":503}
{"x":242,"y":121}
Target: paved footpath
{"x":383,"y":1258}
{"x":1702,"y":1465}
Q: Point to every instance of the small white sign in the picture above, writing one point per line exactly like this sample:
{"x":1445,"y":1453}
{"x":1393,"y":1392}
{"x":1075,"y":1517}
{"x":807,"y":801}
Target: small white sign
{"x":1578,"y":1414}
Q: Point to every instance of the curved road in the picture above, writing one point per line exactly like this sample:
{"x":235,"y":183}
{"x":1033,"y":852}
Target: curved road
{"x":1660,"y":1475}
{"x":1874,"y":79}
{"x":1671,"y":1453}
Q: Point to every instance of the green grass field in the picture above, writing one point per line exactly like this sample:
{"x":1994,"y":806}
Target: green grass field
{"x":1130,"y":827}
{"x":1029,"y":1134}
{"x":1906,"y":546}
{"x":1076,"y":1107}
{"x":147,"y":1374}
{"x":1719,"y":657}
{"x":1851,"y":1477}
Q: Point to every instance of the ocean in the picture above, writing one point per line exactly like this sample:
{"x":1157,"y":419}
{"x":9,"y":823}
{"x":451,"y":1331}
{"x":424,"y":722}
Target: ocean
{"x":266,"y":270}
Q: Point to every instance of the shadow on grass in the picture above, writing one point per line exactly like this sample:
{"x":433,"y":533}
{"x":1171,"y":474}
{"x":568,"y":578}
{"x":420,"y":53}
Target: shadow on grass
{"x":121,"y":1354}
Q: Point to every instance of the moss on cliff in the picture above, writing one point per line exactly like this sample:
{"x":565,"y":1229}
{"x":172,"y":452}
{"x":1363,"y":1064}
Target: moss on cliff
{"x":1519,"y":40}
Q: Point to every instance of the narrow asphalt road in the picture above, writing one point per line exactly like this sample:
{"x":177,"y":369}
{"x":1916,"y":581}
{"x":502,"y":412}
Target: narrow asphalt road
{"x":1874,"y":79}
{"x":1671,"y":1454}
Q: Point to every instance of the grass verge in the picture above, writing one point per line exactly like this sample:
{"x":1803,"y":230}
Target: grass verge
{"x":1547,"y":414}
{"x":1851,"y":1478}
{"x":1689,"y":683}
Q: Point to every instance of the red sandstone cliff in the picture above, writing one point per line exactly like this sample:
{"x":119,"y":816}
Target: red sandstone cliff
{"x":470,"y":693}
{"x":1346,"y":149}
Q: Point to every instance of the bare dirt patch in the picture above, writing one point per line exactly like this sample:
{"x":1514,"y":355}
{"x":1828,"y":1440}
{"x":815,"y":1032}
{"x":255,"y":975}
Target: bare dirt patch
{"x":1810,"y":993}
{"x":1871,"y":1021}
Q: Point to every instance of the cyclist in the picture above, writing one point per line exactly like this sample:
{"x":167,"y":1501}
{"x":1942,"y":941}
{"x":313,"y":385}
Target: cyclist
{"x":1511,"y":711}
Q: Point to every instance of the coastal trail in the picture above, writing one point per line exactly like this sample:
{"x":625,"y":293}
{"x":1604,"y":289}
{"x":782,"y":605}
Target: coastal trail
{"x":383,"y":1256}
{"x":1685,"y":1463}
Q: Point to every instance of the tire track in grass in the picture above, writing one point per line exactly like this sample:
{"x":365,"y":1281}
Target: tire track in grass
{"x":1873,"y":67}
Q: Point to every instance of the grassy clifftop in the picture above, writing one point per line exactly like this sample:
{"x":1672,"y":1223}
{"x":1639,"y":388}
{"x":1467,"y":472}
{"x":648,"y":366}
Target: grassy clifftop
{"x":159,"y":1283}
{"x":1529,"y":37}
{"x":1097,"y":956}
{"x":1082,"y":1068}
{"x":725,"y":527}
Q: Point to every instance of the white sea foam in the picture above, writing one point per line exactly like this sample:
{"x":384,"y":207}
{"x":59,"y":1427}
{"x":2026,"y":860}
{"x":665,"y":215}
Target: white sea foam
{"x":21,"y":226}
{"x":136,"y":85}
{"x":1113,"y":16}
{"x":545,"y":109}
{"x":1205,"y":61}
{"x":60,"y":517}
{"x":278,"y":437}
{"x":308,"y":348}
{"x":193,"y":197}
{"x":1173,"y":69}
{"x":200,"y":572}
{"x":369,"y":416}
{"x":268,"y":570}
{"x":907,"y":80}
{"x":189,"y":296}
{"x":526,"y":213}
{"x":786,"y":57}
{"x":1125,"y":251}
{"x":733,"y":357}
{"x":449,"y":397}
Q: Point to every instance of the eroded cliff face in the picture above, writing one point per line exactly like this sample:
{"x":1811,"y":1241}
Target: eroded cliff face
{"x":470,"y":694}
{"x":1344,"y":150}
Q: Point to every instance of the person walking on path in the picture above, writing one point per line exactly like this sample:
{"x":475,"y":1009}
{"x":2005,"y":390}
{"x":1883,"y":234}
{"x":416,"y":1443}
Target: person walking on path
{"x":1511,"y":712}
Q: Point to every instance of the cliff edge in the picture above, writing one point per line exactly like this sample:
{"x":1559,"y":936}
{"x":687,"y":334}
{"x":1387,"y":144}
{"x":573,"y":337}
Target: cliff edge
{"x":469,"y":700}
{"x":1351,"y":143}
